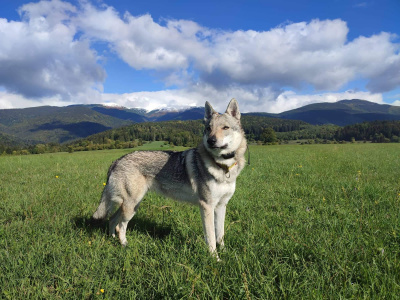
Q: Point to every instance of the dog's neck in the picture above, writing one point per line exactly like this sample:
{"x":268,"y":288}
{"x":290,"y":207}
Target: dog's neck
{"x":227,"y":162}
{"x":226,"y":168}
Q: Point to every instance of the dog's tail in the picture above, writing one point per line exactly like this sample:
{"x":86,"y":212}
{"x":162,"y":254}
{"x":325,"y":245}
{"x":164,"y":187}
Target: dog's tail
{"x":104,"y":208}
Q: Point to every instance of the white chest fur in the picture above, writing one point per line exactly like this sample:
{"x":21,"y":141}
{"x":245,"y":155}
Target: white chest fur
{"x":221,"y":192}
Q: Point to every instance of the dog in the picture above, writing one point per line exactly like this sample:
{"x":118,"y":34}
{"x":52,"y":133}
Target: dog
{"x":204,"y":176}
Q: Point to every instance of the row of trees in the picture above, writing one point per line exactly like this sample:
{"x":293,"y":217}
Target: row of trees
{"x":376,"y":131}
{"x":257,"y":129}
{"x":268,"y":131}
{"x":254,"y":126}
{"x":180,"y":133}
{"x":189,"y":133}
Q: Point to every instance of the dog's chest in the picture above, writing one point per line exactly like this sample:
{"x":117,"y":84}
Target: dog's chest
{"x":221,"y":191}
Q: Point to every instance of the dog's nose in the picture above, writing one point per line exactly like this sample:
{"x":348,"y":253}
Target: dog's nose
{"x":212,"y":140}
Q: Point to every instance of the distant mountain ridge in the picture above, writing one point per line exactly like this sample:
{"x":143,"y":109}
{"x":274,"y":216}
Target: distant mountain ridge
{"x":344,"y":112}
{"x":55,"y":124}
{"x":64,"y":124}
{"x":133,"y":115}
{"x":50,"y":124}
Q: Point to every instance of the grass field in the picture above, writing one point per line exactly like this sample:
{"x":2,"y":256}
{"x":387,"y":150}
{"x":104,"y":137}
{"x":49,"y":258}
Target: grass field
{"x":310,"y":222}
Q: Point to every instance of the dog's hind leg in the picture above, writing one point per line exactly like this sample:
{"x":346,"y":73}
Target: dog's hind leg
{"x":113,"y":224}
{"x":135,"y":193}
{"x":105,"y":207}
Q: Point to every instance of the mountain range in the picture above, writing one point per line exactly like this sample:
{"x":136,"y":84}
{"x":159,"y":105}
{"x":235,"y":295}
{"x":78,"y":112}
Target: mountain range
{"x":341,"y":113}
{"x":48,"y":124}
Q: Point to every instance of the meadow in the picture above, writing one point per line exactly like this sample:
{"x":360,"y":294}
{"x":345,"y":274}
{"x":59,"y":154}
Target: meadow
{"x":306,"y":222}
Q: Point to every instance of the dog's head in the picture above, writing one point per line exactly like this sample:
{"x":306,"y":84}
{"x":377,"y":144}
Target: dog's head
{"x":223,"y":132}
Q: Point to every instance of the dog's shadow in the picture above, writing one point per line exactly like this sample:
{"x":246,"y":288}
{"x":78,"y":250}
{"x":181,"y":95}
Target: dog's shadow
{"x":140,"y":224}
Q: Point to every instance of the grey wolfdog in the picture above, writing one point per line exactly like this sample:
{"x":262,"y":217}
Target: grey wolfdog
{"x":204,"y":176}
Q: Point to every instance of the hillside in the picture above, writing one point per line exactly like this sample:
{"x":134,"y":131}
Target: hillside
{"x":10,"y":143}
{"x":49,"y":124}
{"x":55,"y":124}
{"x":133,"y":115}
{"x":181,"y":133}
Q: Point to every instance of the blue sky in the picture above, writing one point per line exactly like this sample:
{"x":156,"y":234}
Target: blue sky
{"x":270,"y":55}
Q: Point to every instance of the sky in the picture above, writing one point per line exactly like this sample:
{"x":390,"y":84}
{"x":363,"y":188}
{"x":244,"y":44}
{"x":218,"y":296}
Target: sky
{"x":272,"y":56}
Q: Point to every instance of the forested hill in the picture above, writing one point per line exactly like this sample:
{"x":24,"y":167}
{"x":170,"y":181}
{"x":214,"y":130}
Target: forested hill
{"x":9,"y":142}
{"x":189,"y":133}
{"x":49,"y":124}
{"x":55,"y":124}
{"x":376,"y":131}
{"x":184,"y":133}
{"x":65,"y":124}
{"x":257,"y":129}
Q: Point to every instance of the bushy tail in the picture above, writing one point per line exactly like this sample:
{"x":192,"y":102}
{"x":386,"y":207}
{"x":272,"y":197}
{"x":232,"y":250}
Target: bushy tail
{"x":104,"y":207}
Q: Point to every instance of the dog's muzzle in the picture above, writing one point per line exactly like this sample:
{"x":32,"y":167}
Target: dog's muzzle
{"x":212,"y":141}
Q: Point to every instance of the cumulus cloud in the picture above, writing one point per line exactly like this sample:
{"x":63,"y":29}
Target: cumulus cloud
{"x":290,"y":100}
{"x":140,"y":41}
{"x":40,"y":56}
{"x":261,"y":68}
{"x":316,"y":53}
{"x":251,"y":100}
{"x":284,"y":56}
{"x":258,"y":100}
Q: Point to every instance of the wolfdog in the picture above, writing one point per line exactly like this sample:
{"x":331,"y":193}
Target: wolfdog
{"x":203,"y":176}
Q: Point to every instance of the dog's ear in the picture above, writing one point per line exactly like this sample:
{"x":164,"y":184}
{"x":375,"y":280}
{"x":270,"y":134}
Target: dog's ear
{"x":209,"y":111}
{"x":233,"y":109}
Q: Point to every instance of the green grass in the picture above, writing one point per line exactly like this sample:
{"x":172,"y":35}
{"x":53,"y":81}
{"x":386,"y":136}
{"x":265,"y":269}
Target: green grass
{"x":310,"y":222}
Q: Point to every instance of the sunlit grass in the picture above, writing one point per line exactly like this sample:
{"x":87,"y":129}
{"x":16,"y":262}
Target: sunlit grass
{"x":312,"y":221}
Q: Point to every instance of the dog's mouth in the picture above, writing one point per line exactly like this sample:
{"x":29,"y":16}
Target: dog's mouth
{"x":222,"y":147}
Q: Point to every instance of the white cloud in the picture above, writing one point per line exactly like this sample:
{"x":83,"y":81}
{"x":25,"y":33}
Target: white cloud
{"x":396,"y":103}
{"x":258,"y":100}
{"x":205,"y":63}
{"x":289,"y":55}
{"x":315,"y":53}
{"x":40,"y":56}
{"x":290,"y":100}
{"x":9,"y":100}
{"x":139,"y":41}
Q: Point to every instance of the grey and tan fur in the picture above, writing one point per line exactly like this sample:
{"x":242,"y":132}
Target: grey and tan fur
{"x":203,"y":176}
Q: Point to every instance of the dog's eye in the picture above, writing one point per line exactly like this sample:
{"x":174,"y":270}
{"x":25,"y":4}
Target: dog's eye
{"x":208,"y":128}
{"x":225,"y":128}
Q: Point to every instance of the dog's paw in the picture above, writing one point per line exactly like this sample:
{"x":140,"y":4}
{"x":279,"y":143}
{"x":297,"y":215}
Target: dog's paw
{"x":221,"y":247}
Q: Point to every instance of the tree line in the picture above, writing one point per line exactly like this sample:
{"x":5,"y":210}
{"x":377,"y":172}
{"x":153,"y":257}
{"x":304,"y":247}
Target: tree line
{"x":258,"y":129}
{"x":376,"y":132}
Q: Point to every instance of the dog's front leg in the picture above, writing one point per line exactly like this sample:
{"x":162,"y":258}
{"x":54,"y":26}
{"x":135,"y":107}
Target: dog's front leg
{"x":207,"y":216}
{"x":219,"y":220}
